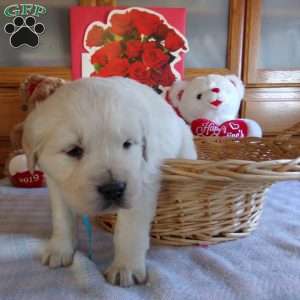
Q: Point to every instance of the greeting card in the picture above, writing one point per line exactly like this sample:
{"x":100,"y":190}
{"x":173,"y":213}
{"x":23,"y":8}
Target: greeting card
{"x":145,"y":44}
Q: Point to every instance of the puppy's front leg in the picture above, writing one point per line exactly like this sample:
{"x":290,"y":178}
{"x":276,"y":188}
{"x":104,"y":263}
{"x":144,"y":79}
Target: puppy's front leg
{"x":60,"y":249}
{"x":131,"y":241}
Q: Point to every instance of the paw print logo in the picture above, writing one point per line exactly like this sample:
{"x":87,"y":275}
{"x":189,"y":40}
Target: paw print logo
{"x":24,"y":31}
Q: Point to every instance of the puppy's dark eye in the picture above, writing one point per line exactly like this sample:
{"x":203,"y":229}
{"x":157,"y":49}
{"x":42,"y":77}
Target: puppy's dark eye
{"x":76,"y":152}
{"x":199,"y":96}
{"x":127,"y":144}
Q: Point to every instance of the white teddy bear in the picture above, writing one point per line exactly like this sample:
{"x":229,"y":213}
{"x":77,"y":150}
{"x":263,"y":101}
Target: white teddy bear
{"x":210,"y":104}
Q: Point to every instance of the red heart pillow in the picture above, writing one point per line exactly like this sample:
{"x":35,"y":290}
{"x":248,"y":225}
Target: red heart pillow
{"x":28,"y":180}
{"x":233,"y":128}
{"x":20,"y":176}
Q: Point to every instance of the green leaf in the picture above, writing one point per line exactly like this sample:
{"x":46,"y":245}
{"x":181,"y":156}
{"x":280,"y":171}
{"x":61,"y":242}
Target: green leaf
{"x":118,"y":37}
{"x":133,"y":35}
{"x":97,"y":67}
{"x":108,"y":37}
{"x":145,"y":38}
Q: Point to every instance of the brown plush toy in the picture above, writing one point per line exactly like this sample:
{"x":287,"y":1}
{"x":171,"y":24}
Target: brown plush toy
{"x":34,"y":89}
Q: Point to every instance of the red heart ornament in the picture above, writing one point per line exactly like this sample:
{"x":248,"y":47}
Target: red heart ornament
{"x":233,"y":128}
{"x":28,"y":180}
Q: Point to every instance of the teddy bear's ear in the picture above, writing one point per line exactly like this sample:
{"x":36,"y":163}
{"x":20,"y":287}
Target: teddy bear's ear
{"x":238,"y":84}
{"x":36,"y":88}
{"x":176,"y":91}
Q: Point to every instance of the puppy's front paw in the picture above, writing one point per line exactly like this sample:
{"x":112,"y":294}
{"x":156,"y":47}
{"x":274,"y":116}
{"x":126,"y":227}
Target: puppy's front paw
{"x":124,"y":275}
{"x":57,"y":254}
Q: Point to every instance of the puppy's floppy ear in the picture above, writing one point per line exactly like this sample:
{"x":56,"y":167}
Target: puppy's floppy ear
{"x":34,"y":135}
{"x":37,"y":88}
{"x":238,"y":85}
{"x":29,"y":147}
{"x":145,"y":152}
{"x":145,"y":135}
{"x":16,"y":136}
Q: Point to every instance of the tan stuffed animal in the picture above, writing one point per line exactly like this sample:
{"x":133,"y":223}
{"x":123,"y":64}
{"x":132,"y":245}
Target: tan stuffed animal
{"x":34,"y":89}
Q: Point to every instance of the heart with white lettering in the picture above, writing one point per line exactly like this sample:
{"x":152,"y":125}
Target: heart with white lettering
{"x":28,"y":180}
{"x":233,"y":128}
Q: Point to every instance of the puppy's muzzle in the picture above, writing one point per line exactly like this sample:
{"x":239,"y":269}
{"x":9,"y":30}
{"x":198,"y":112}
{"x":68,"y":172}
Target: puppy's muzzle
{"x":113,"y":192}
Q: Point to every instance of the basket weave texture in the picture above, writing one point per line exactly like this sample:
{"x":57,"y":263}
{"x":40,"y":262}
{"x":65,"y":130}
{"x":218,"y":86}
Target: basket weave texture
{"x":220,"y":196}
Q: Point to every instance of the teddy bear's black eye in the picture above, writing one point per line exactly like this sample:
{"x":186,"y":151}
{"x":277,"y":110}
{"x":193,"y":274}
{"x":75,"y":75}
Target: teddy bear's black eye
{"x":127,"y":144}
{"x":76,"y":152}
{"x":199,"y":96}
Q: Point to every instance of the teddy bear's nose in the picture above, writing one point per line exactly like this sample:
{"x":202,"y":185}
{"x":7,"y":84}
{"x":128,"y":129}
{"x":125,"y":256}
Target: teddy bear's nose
{"x":215,"y":90}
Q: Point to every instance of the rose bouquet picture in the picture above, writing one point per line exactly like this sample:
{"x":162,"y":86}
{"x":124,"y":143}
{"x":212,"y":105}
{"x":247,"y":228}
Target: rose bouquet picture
{"x":137,"y":43}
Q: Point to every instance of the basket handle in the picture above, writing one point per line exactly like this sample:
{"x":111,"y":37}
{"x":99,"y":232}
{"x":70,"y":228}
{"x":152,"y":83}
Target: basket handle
{"x":288,"y":133}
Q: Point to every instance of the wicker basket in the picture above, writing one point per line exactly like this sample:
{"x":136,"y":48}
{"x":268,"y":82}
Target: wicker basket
{"x":220,"y":196}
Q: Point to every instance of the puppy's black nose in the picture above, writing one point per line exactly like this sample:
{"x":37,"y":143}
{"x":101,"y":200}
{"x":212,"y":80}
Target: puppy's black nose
{"x":112,"y":191}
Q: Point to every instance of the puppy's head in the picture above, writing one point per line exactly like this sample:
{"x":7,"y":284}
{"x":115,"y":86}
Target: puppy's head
{"x":91,"y":142}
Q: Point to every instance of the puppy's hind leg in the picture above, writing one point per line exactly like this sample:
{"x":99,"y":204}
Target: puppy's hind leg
{"x":60,"y":248}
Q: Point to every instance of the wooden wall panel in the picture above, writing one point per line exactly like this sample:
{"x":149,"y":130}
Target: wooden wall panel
{"x":12,"y":76}
{"x":4,"y":151}
{"x":280,"y":115}
{"x":275,"y":109}
{"x":10,"y":113}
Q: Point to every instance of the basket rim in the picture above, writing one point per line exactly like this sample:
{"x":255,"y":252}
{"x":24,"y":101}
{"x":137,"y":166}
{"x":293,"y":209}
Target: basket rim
{"x":232,"y":170}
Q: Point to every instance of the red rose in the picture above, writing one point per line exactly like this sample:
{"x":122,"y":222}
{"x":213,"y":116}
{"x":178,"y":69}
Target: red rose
{"x":173,"y":41}
{"x":145,"y":22}
{"x":116,"y":67}
{"x":149,"y":45}
{"x":167,"y":76}
{"x":121,"y":24}
{"x":155,"y":75}
{"x":162,"y":31}
{"x":154,"y":57}
{"x":134,"y":49}
{"x":164,"y":76}
{"x":139,"y":72}
{"x":95,"y":37}
{"x":106,"y":53}
{"x":113,"y":50}
{"x":99,"y":57}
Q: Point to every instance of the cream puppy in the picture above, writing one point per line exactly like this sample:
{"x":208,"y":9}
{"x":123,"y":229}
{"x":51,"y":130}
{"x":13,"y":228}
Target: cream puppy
{"x":100,"y":143}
